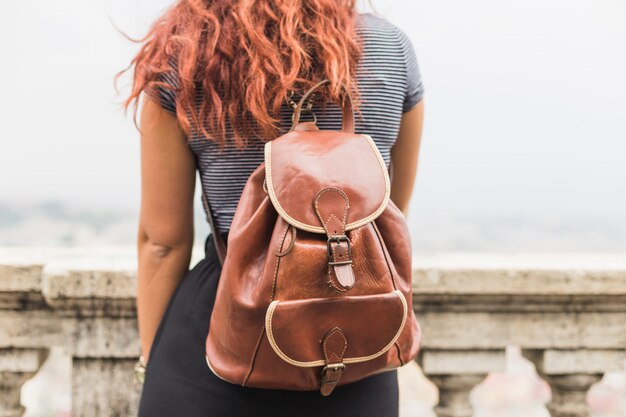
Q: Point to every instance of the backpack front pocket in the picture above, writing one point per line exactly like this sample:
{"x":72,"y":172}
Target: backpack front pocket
{"x":371,"y":325}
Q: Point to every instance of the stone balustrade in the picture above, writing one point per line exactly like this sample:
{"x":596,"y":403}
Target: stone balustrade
{"x":570,"y":321}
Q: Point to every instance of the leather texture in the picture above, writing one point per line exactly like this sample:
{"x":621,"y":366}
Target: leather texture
{"x":315,"y":288}
{"x":299,"y":166}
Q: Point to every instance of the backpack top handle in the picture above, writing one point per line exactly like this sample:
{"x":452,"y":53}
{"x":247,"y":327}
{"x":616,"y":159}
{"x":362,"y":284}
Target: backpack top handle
{"x":346,"y":107}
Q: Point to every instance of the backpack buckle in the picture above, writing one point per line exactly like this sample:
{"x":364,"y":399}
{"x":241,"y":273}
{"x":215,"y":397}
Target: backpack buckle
{"x":331,"y":373}
{"x":339,"y":239}
{"x":340,"y":274}
{"x":334,"y":345}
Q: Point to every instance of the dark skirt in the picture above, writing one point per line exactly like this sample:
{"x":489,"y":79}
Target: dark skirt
{"x":180,"y":384}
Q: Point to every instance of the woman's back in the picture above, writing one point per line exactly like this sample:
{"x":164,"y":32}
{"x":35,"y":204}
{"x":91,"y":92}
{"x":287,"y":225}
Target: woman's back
{"x":389,"y":84}
{"x":224,"y":69}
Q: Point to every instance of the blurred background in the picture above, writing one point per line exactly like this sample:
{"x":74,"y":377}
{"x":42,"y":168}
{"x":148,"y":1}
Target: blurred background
{"x":523,"y":150}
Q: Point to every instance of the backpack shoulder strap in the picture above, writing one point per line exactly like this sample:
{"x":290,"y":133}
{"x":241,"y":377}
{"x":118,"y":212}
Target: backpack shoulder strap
{"x":220,"y":246}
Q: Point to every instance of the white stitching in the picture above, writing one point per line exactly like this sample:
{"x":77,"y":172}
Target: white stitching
{"x":283,"y":356}
{"x":345,"y":344}
{"x":318,"y":229}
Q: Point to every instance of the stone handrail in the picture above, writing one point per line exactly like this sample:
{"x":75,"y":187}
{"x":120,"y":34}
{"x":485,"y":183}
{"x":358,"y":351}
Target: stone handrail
{"x":570,"y":322}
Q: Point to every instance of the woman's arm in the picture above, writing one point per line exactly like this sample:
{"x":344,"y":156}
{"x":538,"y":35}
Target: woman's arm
{"x":165,"y":237}
{"x":404,"y":156}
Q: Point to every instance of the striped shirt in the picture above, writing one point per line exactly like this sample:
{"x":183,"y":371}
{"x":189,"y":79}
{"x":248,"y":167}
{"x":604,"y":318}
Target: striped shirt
{"x":389,"y":83}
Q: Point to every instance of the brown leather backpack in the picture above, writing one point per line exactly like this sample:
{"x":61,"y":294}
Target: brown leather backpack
{"x":315,"y":288}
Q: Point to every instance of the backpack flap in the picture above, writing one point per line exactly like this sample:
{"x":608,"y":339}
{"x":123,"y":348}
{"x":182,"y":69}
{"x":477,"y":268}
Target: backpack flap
{"x":300,"y":164}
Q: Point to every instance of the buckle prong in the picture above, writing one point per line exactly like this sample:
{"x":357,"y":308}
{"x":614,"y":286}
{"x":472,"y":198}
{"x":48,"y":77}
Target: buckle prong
{"x":338,"y":239}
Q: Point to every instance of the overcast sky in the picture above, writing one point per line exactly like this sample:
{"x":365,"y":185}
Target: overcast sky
{"x":526,"y":103}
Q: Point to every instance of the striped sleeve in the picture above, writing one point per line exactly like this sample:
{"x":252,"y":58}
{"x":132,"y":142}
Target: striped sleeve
{"x":414,"y":86}
{"x":166,"y":95}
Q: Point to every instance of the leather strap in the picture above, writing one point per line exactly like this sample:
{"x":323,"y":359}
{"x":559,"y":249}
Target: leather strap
{"x":345,"y":276}
{"x":334,"y":346}
{"x":220,"y":246}
{"x":332,"y":207}
{"x":346,"y":107}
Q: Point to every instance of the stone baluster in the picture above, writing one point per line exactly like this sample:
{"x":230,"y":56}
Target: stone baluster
{"x":571,"y":373}
{"x":572,"y":323}
{"x":569,"y":393}
{"x":97,"y":309}
{"x":16,"y":367}
{"x":20,"y":353}
{"x":456,"y":373}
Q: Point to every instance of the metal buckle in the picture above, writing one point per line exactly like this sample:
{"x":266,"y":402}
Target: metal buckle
{"x":338,"y":239}
{"x":331,"y":375}
{"x":333,"y":367}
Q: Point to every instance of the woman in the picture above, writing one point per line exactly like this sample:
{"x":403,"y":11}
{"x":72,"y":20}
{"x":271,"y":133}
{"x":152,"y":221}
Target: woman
{"x":220,"y":77}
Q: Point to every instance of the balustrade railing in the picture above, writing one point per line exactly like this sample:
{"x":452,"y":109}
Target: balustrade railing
{"x":570,"y":322}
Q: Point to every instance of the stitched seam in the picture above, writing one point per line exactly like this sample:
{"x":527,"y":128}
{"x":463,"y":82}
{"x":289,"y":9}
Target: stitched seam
{"x":292,"y":243}
{"x":345,"y":345}
{"x":281,"y":354}
{"x":215,"y":373}
{"x":345,"y":210}
{"x":338,"y":219}
{"x":317,"y":211}
{"x":270,"y":338}
{"x":258,"y":343}
{"x":383,"y":247}
{"x":393,"y":340}
{"x":277,"y":263}
{"x":317,"y":229}
{"x":399,"y":353}
{"x":256,"y":350}
{"x":331,"y":270}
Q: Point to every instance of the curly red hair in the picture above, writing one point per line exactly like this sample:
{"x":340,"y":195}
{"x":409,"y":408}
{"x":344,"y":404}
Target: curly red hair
{"x":246,"y":56}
